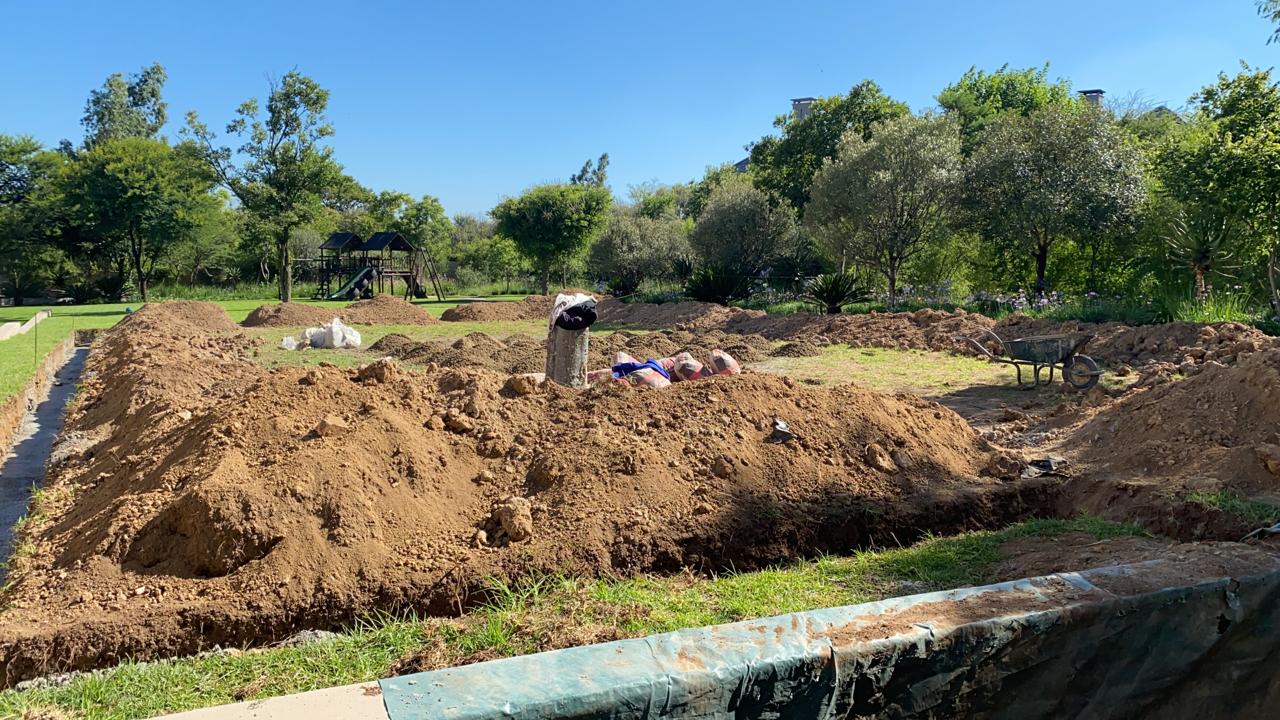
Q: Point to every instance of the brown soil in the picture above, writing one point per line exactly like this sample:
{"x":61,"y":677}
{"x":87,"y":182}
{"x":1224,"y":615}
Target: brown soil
{"x":521,"y":353}
{"x":534,"y":307}
{"x":692,"y":315}
{"x":799,"y":348}
{"x":380,"y":310}
{"x":1218,"y":426}
{"x":223,"y":503}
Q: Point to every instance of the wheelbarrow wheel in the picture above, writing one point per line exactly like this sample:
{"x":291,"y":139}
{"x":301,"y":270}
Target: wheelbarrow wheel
{"x":1082,"y":372}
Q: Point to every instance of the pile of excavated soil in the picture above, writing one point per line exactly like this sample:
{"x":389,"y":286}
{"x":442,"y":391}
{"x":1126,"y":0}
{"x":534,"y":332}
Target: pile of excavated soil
{"x":798,"y":348}
{"x":690,"y":314}
{"x":1171,"y":344}
{"x":534,"y":307}
{"x":521,"y":353}
{"x":380,"y":310}
{"x":1218,"y":426}
{"x":211,"y":501}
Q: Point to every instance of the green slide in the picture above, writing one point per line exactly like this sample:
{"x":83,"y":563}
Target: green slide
{"x":344,"y":292}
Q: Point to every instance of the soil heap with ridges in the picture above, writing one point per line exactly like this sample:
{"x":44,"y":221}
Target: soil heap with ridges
{"x":203,"y":500}
{"x":379,"y":310}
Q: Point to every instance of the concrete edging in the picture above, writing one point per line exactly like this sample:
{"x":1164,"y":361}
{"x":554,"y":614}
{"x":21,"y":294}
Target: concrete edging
{"x":10,"y":329}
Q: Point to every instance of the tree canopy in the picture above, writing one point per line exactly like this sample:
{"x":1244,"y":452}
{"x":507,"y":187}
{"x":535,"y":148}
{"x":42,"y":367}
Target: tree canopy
{"x":126,"y":107}
{"x":741,"y":231}
{"x":1061,"y":172}
{"x":879,"y":201}
{"x":553,"y":224}
{"x":979,"y":97}
{"x":785,"y":164}
{"x":282,"y":170}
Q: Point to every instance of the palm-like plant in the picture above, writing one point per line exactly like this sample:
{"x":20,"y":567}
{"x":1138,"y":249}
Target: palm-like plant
{"x":833,"y":291}
{"x":1201,"y":239}
{"x":717,"y":284}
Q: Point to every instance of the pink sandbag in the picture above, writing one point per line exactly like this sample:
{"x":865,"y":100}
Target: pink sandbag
{"x":621,"y":358}
{"x":599,"y":376}
{"x":647,"y":377}
{"x":723,"y":364}
{"x":684,"y":367}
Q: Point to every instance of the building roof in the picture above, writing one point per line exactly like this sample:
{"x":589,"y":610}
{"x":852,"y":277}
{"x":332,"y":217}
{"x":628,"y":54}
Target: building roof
{"x":741,"y":165}
{"x":341,"y":241}
{"x":1093,"y":91}
{"x":384,"y":240}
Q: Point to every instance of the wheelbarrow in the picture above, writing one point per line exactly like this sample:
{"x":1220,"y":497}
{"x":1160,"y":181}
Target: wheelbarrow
{"x":1056,"y":352}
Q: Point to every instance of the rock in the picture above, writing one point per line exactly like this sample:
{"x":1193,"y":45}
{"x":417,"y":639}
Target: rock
{"x":311,"y":378}
{"x":330,"y":426}
{"x":485,"y":476}
{"x":459,"y":423}
{"x":382,"y":370}
{"x":1011,"y":415}
{"x":515,"y":514}
{"x":86,"y":597}
{"x":703,"y":509}
{"x":435,"y":422}
{"x":878,"y":458}
{"x":308,"y":637}
{"x":901,"y":458}
{"x":185,"y":415}
{"x":723,"y":467}
{"x":525,"y":384}
{"x":1269,"y":454}
{"x":1004,"y":465}
{"x":480,"y":539}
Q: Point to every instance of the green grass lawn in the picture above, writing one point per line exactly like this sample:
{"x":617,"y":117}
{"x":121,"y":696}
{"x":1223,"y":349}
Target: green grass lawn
{"x":547,"y":614}
{"x":21,"y":354}
{"x":917,"y":371}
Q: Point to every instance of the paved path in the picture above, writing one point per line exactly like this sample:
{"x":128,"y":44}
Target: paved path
{"x":22,"y":469}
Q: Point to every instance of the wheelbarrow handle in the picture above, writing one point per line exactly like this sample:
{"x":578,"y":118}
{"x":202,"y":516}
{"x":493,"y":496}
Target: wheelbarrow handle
{"x":983,"y":348}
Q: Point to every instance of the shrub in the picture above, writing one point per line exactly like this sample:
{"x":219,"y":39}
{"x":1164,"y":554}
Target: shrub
{"x":833,"y":291}
{"x":717,"y":284}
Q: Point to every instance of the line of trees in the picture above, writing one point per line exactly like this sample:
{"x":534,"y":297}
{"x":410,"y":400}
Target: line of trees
{"x":1012,"y":183}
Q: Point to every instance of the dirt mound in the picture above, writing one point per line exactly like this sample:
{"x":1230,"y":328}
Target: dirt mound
{"x":381,"y":310}
{"x":224,"y":503}
{"x":1218,"y":426}
{"x":688,"y":314}
{"x":386,"y":310}
{"x":1176,"y":343}
{"x":799,"y":348}
{"x":534,"y":307}
{"x":521,"y":353}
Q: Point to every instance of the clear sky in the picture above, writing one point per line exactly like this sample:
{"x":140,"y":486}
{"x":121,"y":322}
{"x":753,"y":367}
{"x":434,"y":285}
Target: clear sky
{"x":473,"y":100}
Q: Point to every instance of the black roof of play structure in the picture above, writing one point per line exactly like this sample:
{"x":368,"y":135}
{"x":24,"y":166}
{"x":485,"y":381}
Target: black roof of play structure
{"x":341,"y":241}
{"x":384,"y":240}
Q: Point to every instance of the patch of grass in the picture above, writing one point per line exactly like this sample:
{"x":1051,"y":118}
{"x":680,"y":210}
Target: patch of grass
{"x":916,"y":371}
{"x":1252,"y":511}
{"x":20,"y":355}
{"x":541,"y":614}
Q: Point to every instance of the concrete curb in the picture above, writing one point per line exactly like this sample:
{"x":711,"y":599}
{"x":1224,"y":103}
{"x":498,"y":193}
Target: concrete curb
{"x":10,"y":329}
{"x":1111,"y":642}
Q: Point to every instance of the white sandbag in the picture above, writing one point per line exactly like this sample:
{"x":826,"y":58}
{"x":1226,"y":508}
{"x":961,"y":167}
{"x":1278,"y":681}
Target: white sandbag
{"x":289,"y":343}
{"x":335,"y":334}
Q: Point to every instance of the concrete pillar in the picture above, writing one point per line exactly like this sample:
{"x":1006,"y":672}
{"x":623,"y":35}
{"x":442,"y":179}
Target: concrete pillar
{"x":567,"y":356}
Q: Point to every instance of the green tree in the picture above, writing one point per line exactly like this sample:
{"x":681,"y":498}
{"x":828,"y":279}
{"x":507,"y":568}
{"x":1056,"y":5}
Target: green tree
{"x":636,"y":247}
{"x":142,"y":195}
{"x":26,"y":259}
{"x":1270,"y":9}
{"x":282,"y":171}
{"x":208,"y":253}
{"x":880,"y":202}
{"x":742,"y":232}
{"x":554,"y":224}
{"x":126,"y":107}
{"x":496,"y":256}
{"x":784,"y":164}
{"x":425,"y":224}
{"x":594,"y":175}
{"x":715,"y":177}
{"x":1062,"y":172}
{"x":979,"y":97}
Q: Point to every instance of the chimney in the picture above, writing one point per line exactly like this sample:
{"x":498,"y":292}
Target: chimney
{"x":801,"y":107}
{"x":1093,"y":97}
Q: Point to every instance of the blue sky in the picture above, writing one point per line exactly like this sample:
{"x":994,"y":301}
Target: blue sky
{"x":472,"y":101}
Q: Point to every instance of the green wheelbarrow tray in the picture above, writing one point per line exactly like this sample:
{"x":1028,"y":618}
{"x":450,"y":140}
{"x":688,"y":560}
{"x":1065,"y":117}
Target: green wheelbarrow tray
{"x":1056,"y":352}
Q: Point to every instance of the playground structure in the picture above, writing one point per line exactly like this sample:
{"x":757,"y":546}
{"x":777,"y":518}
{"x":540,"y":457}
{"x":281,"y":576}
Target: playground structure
{"x":350,"y":268}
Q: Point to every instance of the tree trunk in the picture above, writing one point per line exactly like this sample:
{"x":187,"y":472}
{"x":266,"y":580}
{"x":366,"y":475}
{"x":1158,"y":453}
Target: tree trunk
{"x":135,"y":254}
{"x":285,"y":268}
{"x":1042,"y":264}
{"x":1273,"y":277}
{"x":546,"y":280}
{"x":1202,"y":290}
{"x":892,"y":276}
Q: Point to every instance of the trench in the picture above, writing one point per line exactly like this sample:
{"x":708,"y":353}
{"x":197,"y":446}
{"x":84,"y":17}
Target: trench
{"x":24,"y":464}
